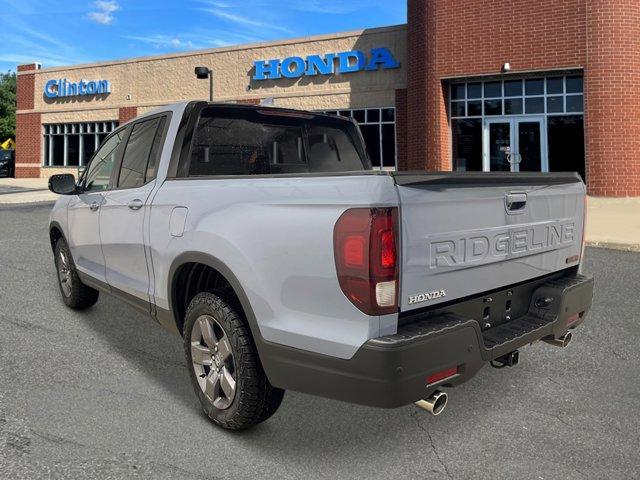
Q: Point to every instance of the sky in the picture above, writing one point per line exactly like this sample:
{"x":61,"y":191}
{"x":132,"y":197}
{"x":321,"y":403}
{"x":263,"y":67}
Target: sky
{"x":68,"y":32}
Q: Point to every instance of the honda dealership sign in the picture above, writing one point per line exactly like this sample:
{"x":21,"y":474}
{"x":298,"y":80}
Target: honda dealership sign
{"x":328,"y":64}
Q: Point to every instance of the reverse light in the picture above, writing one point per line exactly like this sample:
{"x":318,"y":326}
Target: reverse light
{"x":366,"y":257}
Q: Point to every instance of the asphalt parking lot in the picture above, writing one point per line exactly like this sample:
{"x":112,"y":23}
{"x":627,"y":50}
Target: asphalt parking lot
{"x":105,"y":394}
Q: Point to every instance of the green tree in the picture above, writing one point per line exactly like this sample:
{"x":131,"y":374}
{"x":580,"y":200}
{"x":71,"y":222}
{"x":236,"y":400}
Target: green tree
{"x":7,"y":106}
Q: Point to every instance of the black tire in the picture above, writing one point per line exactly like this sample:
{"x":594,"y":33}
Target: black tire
{"x":254,"y":399}
{"x":75,"y":294}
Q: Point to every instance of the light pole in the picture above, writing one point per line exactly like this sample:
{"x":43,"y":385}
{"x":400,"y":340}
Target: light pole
{"x":203,"y":73}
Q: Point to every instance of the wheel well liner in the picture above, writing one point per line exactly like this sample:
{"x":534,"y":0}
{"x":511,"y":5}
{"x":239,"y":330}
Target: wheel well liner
{"x":55,"y":234}
{"x":192,"y":273}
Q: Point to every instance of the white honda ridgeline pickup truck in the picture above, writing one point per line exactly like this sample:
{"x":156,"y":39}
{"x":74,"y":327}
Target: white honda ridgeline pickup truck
{"x":266,"y":240}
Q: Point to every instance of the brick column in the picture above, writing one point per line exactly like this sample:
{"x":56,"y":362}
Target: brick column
{"x":612,"y":98}
{"x":401,"y":129}
{"x":127,"y":113}
{"x":417,"y":86}
{"x":28,"y":125}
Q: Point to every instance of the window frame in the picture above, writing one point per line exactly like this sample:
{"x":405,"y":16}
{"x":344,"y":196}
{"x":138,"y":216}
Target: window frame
{"x":113,"y":184}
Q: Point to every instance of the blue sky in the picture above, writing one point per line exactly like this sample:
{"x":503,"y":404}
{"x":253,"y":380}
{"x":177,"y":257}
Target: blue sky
{"x":70,"y":32}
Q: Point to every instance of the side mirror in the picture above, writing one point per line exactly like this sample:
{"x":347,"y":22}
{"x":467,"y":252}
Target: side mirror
{"x":63,"y":184}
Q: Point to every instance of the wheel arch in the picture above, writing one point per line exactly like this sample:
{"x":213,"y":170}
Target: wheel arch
{"x":55,"y":234}
{"x":190,"y":264}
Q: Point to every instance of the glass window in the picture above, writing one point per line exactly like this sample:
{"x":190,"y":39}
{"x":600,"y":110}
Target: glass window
{"x":467,"y":145}
{"x":512,"y":106}
{"x":457,"y":92}
{"x":332,"y":150}
{"x":534,"y":105}
{"x":373,"y":115}
{"x":388,"y":114}
{"x":359,"y":116}
{"x":534,"y":86}
{"x":99,"y":172}
{"x":575,"y":103}
{"x":457,"y":109}
{"x":371,"y":135}
{"x":474,"y":90}
{"x":156,"y":150}
{"x":474,"y":108}
{"x":493,"y":107}
{"x":555,"y":104}
{"x":555,"y":85}
{"x":389,"y":145}
{"x":136,"y":154}
{"x":492,"y":89}
{"x":232,"y":141}
{"x":513,"y":88}
{"x":565,"y":134}
{"x":575,"y":84}
{"x":73,"y":150}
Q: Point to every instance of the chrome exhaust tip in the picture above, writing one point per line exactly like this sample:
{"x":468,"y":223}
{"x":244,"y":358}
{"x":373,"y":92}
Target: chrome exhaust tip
{"x":561,"y":342}
{"x":435,"y":404}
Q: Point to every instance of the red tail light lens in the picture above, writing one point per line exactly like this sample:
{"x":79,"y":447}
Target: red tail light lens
{"x":366,"y":258}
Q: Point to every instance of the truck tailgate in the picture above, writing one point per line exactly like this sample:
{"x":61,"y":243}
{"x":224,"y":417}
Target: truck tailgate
{"x":464,"y":234}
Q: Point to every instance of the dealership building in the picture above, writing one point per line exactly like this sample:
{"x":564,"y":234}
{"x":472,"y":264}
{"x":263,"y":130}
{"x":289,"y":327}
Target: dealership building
{"x":465,"y":85}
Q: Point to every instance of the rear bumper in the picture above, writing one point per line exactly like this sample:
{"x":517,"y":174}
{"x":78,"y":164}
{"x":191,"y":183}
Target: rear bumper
{"x":391,"y":371}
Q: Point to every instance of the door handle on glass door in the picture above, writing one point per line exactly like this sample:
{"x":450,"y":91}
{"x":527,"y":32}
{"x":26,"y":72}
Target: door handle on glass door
{"x":135,"y":204}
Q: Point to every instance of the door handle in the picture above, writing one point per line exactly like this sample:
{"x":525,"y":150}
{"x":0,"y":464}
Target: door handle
{"x":135,"y":204}
{"x":515,"y":201}
{"x":94,"y":206}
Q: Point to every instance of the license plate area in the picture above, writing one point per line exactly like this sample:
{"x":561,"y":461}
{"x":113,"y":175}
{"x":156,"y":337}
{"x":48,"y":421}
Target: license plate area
{"x":492,"y":308}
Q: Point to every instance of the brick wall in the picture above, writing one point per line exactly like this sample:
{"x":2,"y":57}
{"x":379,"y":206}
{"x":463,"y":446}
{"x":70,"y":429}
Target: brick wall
{"x":449,"y":38}
{"x":612,"y":92}
{"x":452,"y":38}
{"x":401,"y":126}
{"x":28,"y":126}
{"x":28,"y":145}
{"x":127,"y":113}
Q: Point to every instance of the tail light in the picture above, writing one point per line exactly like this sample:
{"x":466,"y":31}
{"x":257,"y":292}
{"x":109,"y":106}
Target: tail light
{"x":365,"y":247}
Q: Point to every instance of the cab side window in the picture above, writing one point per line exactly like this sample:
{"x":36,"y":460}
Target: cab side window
{"x":99,"y":172}
{"x":140,"y":157}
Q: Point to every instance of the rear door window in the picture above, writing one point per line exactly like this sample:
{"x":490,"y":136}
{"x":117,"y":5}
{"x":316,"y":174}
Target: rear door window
{"x":250,"y":142}
{"x":133,"y":172}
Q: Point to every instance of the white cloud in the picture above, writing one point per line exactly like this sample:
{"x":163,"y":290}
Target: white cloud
{"x":158,"y":40}
{"x":104,"y":10}
{"x":246,"y":21}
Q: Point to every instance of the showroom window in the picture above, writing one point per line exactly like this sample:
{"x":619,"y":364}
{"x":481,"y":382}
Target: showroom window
{"x":551,"y":107}
{"x":378,"y":127}
{"x":73,"y":144}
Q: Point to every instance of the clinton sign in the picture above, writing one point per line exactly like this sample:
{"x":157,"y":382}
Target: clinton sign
{"x":328,"y":64}
{"x":64,"y":88}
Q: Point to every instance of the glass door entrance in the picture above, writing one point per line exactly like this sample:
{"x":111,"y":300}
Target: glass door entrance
{"x":514,"y":145}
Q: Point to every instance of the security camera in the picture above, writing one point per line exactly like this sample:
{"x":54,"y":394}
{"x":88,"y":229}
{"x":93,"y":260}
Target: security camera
{"x":506,"y":67}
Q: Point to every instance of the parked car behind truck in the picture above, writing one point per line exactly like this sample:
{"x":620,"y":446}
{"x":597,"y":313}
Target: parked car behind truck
{"x":266,"y":240}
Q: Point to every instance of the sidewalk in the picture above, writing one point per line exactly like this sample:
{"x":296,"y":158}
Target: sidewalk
{"x":614,"y":223}
{"x":611,"y":222}
{"x":25,"y":190}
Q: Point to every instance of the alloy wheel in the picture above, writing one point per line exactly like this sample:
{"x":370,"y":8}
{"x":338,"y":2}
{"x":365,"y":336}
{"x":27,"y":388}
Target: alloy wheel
{"x":213,"y":361}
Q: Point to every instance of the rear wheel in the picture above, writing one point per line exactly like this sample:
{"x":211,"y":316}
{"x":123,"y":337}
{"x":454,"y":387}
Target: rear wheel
{"x":75,"y":294}
{"x":225,"y":370}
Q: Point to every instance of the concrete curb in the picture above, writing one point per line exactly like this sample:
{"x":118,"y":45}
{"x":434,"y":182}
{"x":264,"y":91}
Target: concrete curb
{"x":625,"y":247}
